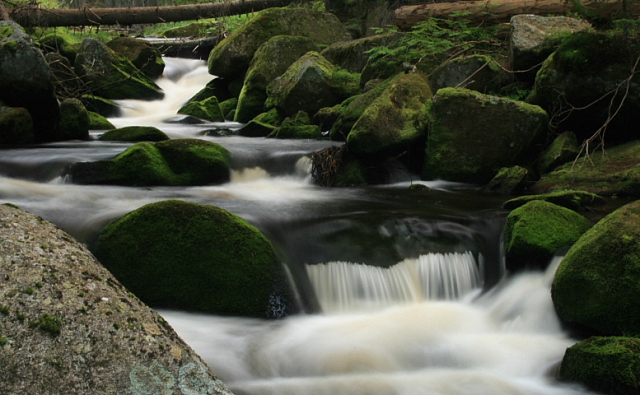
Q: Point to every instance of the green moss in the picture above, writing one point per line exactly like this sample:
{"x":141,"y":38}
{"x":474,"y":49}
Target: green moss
{"x":537,"y":230}
{"x":208,"y":109}
{"x":98,"y":122}
{"x":29,"y":291}
{"x":256,"y":129}
{"x":610,"y":365}
{"x":190,"y":256}
{"x":140,"y":164}
{"x":11,"y":45}
{"x":597,"y":285}
{"x":574,"y":200}
{"x":351,"y":174}
{"x":134,"y":133}
{"x":48,"y":323}
{"x":4,"y":310}
{"x":272,"y":117}
{"x":74,"y":120}
{"x":589,"y":53}
{"x":5,"y":31}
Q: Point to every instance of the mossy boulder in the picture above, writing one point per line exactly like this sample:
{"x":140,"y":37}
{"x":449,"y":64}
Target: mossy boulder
{"x":218,"y":87}
{"x":310,"y":84}
{"x":537,"y":230}
{"x":16,"y":126}
{"x":608,"y":172}
{"x":61,"y":43}
{"x":597,"y":285}
{"x":179,"y":162}
{"x":98,"y":122}
{"x":270,"y":60}
{"x":509,"y":180}
{"x":297,"y":127}
{"x":208,"y":109}
{"x":134,"y":133}
{"x":141,"y":53}
{"x":472,"y":135}
{"x":104,"y":107}
{"x":181,"y":255}
{"x":228,"y":107}
{"x":27,"y":81}
{"x":353,"y":55}
{"x":395,"y":121}
{"x":608,"y":365}
{"x":111,"y":75}
{"x":563,"y":149}
{"x":256,"y":129}
{"x":574,"y":200}
{"x":74,"y":120}
{"x":230,"y":59}
{"x":476,"y":72}
{"x":577,"y":81}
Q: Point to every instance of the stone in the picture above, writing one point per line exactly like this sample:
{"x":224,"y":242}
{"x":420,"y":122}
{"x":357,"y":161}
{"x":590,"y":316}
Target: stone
{"x":597,"y":285}
{"x":509,"y":180}
{"x":207,"y":109}
{"x":134,"y":133}
{"x":472,"y":135}
{"x":476,"y":72}
{"x":141,"y":53}
{"x":574,"y":200}
{"x":74,"y":120}
{"x":16,"y":126}
{"x":563,"y":149}
{"x":98,"y":122}
{"x":353,"y":55}
{"x":68,"y":326}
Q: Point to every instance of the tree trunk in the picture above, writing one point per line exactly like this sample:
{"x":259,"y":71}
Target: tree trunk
{"x":33,"y":16}
{"x":501,"y":11}
{"x":4,"y":15}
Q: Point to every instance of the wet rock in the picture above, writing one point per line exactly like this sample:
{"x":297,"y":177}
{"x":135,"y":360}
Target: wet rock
{"x":271,"y":60}
{"x":67,"y":326}
{"x":535,"y":231}
{"x":134,"y":133}
{"x":207,"y":109}
{"x":26,"y":80}
{"x":196,"y":257}
{"x":597,"y":285}
{"x":98,"y":122}
{"x":297,"y":127}
{"x":230,"y":59}
{"x":472,"y":135}
{"x":104,"y":107}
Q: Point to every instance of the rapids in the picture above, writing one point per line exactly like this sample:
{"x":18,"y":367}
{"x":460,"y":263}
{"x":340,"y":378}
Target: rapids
{"x":402,"y":291}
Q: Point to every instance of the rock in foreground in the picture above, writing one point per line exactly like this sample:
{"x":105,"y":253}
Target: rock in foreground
{"x":67,"y":326}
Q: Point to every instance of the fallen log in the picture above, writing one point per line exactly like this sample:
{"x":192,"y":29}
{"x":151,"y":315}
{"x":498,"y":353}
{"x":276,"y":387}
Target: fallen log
{"x":501,"y":11}
{"x":31,"y":16}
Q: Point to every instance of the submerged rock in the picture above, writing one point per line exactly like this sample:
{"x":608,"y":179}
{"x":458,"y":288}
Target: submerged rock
{"x":597,"y":285}
{"x":535,"y":231}
{"x":195,"y":257}
{"x":67,"y":326}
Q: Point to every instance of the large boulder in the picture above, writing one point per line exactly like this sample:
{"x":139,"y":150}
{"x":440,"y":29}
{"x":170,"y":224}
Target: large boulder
{"x":395,"y":120}
{"x":535,"y":37}
{"x":608,"y":172}
{"x":230,"y":59}
{"x":477,"y":72}
{"x":195,"y":257}
{"x":535,"y":231}
{"x":597,"y":285}
{"x":608,"y":365}
{"x":472,"y":135}
{"x":141,"y":53}
{"x":310,"y":84}
{"x":111,"y":75}
{"x":177,"y":162}
{"x":577,"y":83}
{"x":16,"y":126}
{"x":67,"y":326}
{"x":26,"y":80}
{"x":271,"y":60}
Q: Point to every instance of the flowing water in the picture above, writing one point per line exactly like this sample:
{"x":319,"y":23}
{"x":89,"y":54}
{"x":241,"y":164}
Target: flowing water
{"x":402,"y":291}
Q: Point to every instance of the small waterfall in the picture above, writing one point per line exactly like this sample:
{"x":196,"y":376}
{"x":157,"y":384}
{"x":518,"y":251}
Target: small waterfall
{"x":344,"y":286}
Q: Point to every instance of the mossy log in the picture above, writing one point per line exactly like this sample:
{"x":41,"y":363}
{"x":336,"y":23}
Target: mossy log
{"x":501,"y":11}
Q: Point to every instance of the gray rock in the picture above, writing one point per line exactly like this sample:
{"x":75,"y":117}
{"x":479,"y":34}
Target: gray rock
{"x":528,"y":48}
{"x":563,"y":149}
{"x":477,"y":72}
{"x":352,"y":55}
{"x":67,"y":326}
{"x":26,"y":80}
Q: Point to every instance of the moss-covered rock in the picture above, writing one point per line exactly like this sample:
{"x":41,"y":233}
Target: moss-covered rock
{"x":74,"y":120}
{"x":563,"y":149}
{"x":228,"y":107}
{"x":476,"y":72}
{"x":509,"y":180}
{"x":170,"y":162}
{"x":272,"y":117}
{"x":614,"y":171}
{"x":208,"y":109}
{"x":62,"y":43}
{"x":395,"y":121}
{"x":472,"y":135}
{"x":270,"y":60}
{"x":256,"y":129}
{"x":310,"y":84}
{"x":597,"y":285}
{"x":353,"y":55}
{"x":537,"y":230}
{"x":98,"y":122}
{"x":111,"y":75}
{"x":195,"y":30}
{"x":609,"y":365}
{"x":195,"y":257}
{"x":574,"y":200}
{"x":218,"y":87}
{"x":230,"y":59}
{"x":577,"y":80}
{"x":134,"y":133}
{"x":141,"y":53}
{"x":16,"y":126}
{"x":104,"y":107}
{"x":297,"y":128}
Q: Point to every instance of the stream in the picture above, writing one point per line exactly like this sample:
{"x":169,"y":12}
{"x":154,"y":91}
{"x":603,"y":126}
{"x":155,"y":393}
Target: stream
{"x":402,"y":291}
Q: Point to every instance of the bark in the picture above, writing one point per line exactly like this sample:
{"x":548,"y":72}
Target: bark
{"x":501,"y":11}
{"x":33,"y":16}
{"x":4,"y":14}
